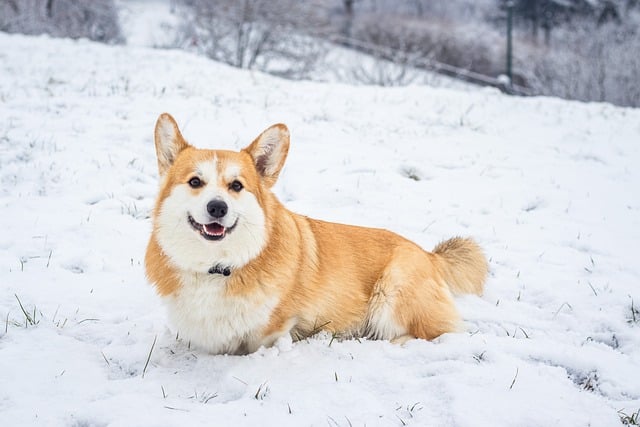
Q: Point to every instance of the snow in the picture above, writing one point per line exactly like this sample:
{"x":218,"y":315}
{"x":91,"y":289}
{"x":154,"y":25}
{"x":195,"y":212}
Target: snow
{"x":149,"y":23}
{"x":549,"y":188}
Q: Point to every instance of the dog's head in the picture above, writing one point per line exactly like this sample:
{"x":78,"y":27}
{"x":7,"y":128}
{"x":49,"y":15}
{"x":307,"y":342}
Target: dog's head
{"x":212,"y":206}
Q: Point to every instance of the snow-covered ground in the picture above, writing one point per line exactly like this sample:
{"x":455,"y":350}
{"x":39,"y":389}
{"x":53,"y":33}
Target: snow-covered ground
{"x":548,"y":187}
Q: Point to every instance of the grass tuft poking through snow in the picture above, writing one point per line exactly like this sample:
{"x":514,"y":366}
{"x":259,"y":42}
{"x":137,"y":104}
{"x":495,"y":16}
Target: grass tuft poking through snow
{"x":30,"y":318}
{"x":630,"y":420}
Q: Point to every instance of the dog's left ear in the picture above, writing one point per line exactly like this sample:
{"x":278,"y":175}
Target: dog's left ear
{"x":169,"y":142}
{"x":269,"y":151}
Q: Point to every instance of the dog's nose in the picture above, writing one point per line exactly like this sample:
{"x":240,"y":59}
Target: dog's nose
{"x":217,"y":208}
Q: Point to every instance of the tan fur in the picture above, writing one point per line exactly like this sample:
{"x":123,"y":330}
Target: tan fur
{"x":344,"y":279}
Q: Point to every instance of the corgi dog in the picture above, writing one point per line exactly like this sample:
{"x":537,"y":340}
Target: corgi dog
{"x":238,"y":271}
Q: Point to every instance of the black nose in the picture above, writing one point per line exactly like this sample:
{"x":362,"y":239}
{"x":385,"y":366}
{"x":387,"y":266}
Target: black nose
{"x":217,"y":208}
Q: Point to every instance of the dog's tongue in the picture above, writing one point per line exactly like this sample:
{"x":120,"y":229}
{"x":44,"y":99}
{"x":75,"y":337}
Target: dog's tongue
{"x":214,"y":229}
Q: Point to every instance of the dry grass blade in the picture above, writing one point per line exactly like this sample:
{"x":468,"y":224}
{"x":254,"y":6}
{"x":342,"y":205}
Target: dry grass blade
{"x":144,"y":370}
{"x":514,"y":379}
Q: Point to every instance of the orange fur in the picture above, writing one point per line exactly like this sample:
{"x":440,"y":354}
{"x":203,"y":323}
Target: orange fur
{"x":344,"y":279}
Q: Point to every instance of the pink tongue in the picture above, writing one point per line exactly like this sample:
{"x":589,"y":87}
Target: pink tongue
{"x":214,"y":229}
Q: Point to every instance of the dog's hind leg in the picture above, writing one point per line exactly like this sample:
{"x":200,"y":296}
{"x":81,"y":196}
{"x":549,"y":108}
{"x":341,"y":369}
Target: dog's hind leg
{"x":411,"y":299}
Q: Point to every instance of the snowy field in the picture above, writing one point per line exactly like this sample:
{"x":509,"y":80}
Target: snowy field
{"x":549,"y":188}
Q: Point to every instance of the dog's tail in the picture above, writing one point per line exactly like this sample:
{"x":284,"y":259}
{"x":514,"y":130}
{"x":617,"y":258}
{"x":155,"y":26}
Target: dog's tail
{"x":462,"y":264}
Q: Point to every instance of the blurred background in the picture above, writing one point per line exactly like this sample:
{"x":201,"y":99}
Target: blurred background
{"x":586,"y":50}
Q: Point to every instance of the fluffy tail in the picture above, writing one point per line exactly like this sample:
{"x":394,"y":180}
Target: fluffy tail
{"x":462,"y":264}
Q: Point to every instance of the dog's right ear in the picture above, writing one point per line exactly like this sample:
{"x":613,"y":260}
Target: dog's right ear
{"x":169,"y":142}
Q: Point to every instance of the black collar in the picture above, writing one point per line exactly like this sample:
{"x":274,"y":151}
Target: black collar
{"x":218,"y":269}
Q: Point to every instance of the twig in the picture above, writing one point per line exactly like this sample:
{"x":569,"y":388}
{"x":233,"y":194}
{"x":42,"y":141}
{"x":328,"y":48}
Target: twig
{"x":176,"y":409}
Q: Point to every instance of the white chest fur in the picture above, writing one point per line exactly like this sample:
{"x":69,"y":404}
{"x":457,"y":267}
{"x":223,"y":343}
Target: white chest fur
{"x":203,"y":314}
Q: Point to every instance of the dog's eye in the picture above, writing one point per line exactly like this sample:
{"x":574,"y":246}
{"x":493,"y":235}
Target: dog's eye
{"x":195,"y":182}
{"x":236,"y":186}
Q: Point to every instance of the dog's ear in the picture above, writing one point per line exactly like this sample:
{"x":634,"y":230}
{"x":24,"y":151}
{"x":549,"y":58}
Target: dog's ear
{"x":169,"y":142}
{"x":269,"y":151}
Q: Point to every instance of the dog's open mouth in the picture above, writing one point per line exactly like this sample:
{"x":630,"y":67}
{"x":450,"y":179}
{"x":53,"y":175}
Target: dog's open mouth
{"x":211,"y":231}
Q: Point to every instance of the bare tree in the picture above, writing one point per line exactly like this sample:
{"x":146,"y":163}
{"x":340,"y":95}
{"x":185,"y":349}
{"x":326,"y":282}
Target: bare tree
{"x":270,"y":35}
{"x":93,"y":19}
{"x":589,"y":62}
{"x":381,"y":72}
{"x":474,"y":47}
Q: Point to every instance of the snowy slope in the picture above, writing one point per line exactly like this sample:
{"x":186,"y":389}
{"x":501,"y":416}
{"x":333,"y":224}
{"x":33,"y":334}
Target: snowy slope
{"x":549,"y":188}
